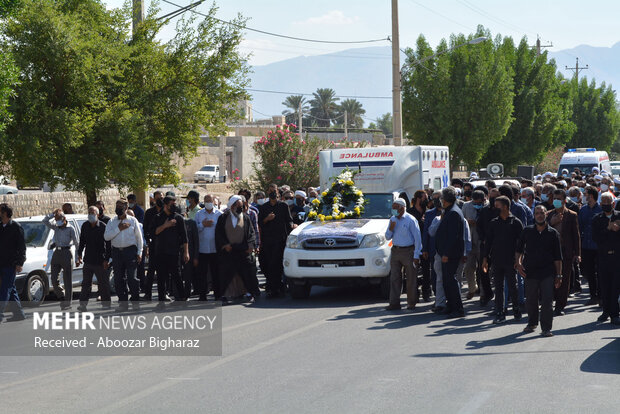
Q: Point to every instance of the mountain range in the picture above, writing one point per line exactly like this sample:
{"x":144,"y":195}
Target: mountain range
{"x":366,"y":73}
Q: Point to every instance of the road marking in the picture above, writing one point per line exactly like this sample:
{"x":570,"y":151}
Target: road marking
{"x":127,"y":401}
{"x":9,"y":372}
{"x":183,"y":379}
{"x":474,"y":404}
{"x":107,"y":359}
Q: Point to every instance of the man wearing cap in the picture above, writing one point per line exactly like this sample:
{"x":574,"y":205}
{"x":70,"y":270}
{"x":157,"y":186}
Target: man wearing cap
{"x":192,"y":199}
{"x":64,"y":236}
{"x":137,"y":210}
{"x":404,"y":232}
{"x":298,"y":210}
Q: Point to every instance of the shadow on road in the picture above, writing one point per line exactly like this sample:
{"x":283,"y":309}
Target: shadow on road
{"x":604,"y":361}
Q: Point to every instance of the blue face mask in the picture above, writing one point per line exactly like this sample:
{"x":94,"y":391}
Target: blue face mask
{"x":394,"y":212}
{"x":524,"y":200}
{"x":544,"y":197}
{"x":477,"y":206}
{"x":557,"y":203}
{"x":574,"y":199}
{"x":583,"y":190}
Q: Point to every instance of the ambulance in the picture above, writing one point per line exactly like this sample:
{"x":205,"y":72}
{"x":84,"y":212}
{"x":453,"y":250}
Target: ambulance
{"x":355,"y":251}
{"x":585,"y":159}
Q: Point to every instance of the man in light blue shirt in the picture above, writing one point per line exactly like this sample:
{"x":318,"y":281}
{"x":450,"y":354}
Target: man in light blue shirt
{"x":206,"y":219}
{"x":404,"y":232}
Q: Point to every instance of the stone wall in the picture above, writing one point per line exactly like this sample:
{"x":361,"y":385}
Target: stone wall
{"x":38,"y":203}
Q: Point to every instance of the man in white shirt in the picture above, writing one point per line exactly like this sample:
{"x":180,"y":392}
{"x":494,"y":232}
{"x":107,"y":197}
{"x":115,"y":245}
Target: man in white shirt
{"x":206,"y":219}
{"x":123,"y":231}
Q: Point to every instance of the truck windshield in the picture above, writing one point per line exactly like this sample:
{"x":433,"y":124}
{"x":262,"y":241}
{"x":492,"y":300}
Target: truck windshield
{"x":379,"y":206}
{"x":35,"y":233}
{"x":585,"y":168}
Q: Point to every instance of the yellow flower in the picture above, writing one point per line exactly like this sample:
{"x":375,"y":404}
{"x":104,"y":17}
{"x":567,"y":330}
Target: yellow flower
{"x":357,"y":210}
{"x":328,"y":218}
{"x":341,"y":216}
{"x":359,"y":193}
{"x":321,"y":217}
{"x":324,"y":193}
{"x":312,"y":214}
{"x":316,"y":201}
{"x":349,"y":182}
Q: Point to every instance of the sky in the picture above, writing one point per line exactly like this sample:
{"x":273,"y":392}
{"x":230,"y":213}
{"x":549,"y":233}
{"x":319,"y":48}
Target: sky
{"x":564,"y":23}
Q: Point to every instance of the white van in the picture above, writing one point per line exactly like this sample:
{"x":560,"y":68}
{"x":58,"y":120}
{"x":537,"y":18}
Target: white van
{"x":585,"y":159}
{"x":355,"y":251}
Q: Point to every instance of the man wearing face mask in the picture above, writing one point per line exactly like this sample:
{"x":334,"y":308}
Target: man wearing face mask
{"x":64,"y":236}
{"x":123,"y":231}
{"x":605,"y":188}
{"x":546,"y":197}
{"x":137,"y":210}
{"x":170,"y":240}
{"x":298,"y":207}
{"x":500,"y":244}
{"x":471,"y":212}
{"x":418,"y":210}
{"x":149,"y":215}
{"x":566,"y":223}
{"x":101,"y":207}
{"x":275,"y":223}
{"x":487,"y":213}
{"x":96,"y":259}
{"x":235,"y":242}
{"x":208,"y":267}
{"x":606,"y":234}
{"x":259,"y":199}
{"x":191,"y":204}
{"x":404,"y":232}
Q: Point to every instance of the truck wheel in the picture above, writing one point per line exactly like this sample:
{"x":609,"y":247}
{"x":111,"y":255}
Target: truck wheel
{"x":35,"y":290}
{"x":301,"y":291}
{"x":384,"y":287}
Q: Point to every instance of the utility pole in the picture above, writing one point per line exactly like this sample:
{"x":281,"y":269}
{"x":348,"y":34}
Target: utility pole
{"x":301,"y":117}
{"x":397,"y":123}
{"x":577,"y":68}
{"x":538,"y":46}
{"x":346,"y":129}
{"x":138,"y":14}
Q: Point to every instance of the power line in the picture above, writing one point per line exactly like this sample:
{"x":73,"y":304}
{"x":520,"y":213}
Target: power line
{"x":441,"y":15}
{"x":279,"y":35}
{"x":310,"y":94}
{"x":496,"y":19}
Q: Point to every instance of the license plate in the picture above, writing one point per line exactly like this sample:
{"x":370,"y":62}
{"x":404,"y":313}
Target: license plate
{"x":329,"y":266}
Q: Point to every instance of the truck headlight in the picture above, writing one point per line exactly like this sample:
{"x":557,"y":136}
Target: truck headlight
{"x":373,"y":240}
{"x":292,"y":243}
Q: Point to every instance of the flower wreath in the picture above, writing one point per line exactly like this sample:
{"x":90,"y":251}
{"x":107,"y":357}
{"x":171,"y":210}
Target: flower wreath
{"x":342,"y":192}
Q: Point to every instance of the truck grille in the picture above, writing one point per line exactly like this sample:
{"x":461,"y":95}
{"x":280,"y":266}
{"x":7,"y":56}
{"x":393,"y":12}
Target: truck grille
{"x":326,"y":243}
{"x":335,"y":263}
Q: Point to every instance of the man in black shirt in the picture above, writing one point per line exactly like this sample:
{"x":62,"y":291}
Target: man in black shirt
{"x":420,"y":202}
{"x":96,"y":259}
{"x":539,"y":258}
{"x":487,"y":213}
{"x":606,"y":234}
{"x":149,"y":215}
{"x":12,"y":258}
{"x":170,"y":235}
{"x":275,"y":223}
{"x":500,"y":244}
{"x":101,"y":207}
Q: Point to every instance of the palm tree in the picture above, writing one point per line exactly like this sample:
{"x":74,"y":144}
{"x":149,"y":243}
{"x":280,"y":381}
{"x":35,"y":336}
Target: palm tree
{"x":354,"y":113}
{"x":324,"y":106}
{"x":292,"y":104}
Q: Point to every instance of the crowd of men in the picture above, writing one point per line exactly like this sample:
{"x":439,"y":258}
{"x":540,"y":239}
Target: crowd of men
{"x":523,"y":243}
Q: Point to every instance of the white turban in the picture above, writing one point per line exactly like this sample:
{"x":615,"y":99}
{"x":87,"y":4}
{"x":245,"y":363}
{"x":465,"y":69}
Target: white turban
{"x":400,"y":202}
{"x":547,"y":174}
{"x":300,"y":193}
{"x":617,"y":181}
{"x":232,"y":200}
{"x":598,"y":177}
{"x":595,"y":169}
{"x":473,"y":175}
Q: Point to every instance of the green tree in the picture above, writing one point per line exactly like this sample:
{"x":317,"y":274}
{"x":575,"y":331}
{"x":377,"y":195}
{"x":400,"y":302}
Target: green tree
{"x":95,"y":105}
{"x":542,"y":109}
{"x":385,"y":124}
{"x":461,"y":98}
{"x":324,"y":106}
{"x":354,"y":110}
{"x":292,"y":103}
{"x":595,"y":114}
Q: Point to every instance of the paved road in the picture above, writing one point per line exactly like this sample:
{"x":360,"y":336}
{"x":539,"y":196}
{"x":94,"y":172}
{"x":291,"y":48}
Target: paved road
{"x":340,"y":352}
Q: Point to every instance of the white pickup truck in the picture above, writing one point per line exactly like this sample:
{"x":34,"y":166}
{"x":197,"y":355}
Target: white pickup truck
{"x":355,"y":251}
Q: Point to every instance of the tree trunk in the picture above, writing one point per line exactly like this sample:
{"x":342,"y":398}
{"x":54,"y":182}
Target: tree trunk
{"x":91,"y":198}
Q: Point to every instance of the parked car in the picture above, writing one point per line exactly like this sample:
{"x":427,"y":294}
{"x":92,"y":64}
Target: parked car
{"x":34,"y":282}
{"x":208,"y":174}
{"x":615,"y":168}
{"x":7,"y":189}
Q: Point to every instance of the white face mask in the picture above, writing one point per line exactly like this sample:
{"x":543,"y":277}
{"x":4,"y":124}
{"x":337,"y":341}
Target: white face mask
{"x":92,"y":218}
{"x":604,"y":187}
{"x":260,"y":202}
{"x":289,"y":202}
{"x":131,"y":205}
{"x":208,"y":206}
